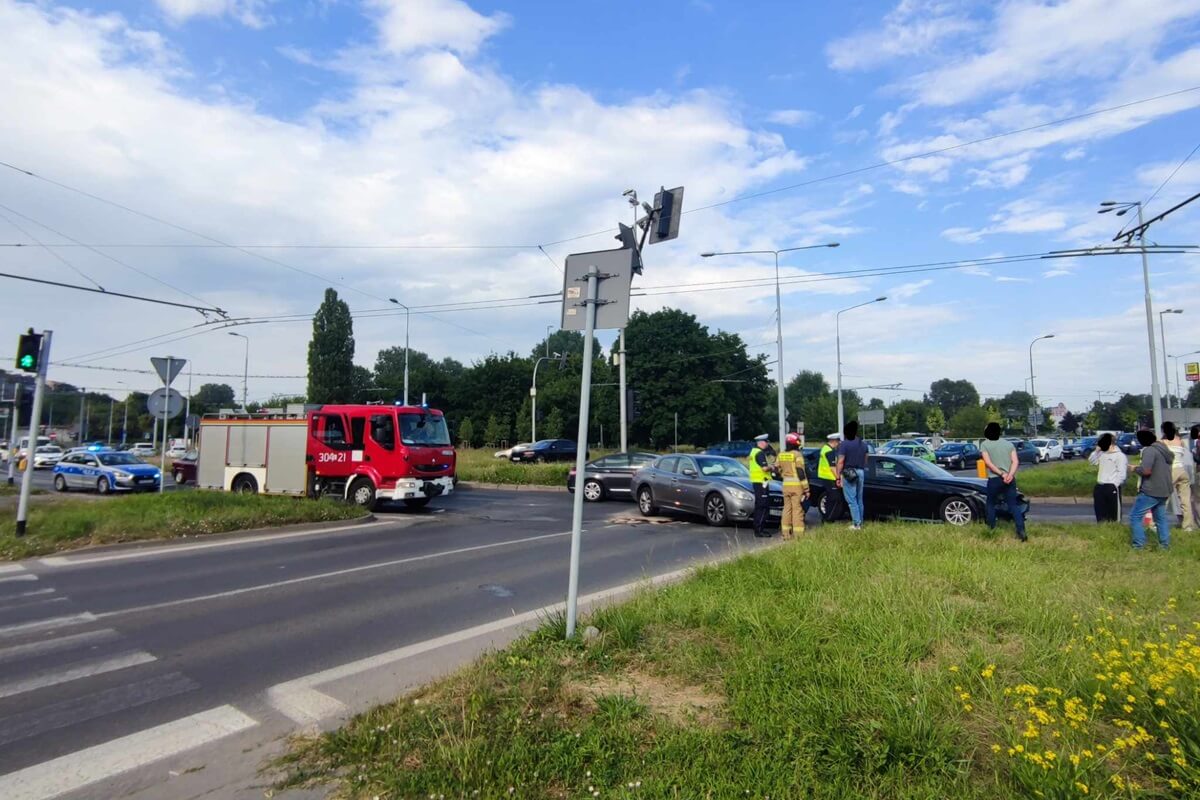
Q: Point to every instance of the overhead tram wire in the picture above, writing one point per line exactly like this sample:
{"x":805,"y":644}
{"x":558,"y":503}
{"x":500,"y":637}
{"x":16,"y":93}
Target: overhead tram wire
{"x":904,"y":159}
{"x":1175,"y":171}
{"x":100,"y":253}
{"x":42,"y":245}
{"x":106,"y":292}
{"x":194,"y":374}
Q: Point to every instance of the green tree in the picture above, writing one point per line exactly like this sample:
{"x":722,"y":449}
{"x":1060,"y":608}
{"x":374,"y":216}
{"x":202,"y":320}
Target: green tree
{"x":1069,"y":423}
{"x":553,"y":426}
{"x":1193,"y":396}
{"x":496,"y":433}
{"x":524,"y":432}
{"x":969,"y":422}
{"x":466,"y":433}
{"x":1092,"y":421}
{"x":211,"y":397}
{"x":906,"y":416}
{"x":331,"y":353}
{"x":950,"y":395}
{"x":935,"y":420}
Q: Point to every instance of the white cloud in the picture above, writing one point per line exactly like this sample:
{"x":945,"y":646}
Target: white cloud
{"x":406,"y":26}
{"x":251,"y":13}
{"x":855,"y":112}
{"x":1019,"y":216}
{"x":1056,"y":273}
{"x":1074,"y":154}
{"x":1011,"y":279}
{"x":794,"y":117}
{"x":913,"y":28}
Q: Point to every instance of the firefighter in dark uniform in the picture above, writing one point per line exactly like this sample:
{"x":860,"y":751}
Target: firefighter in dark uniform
{"x":760,"y":478}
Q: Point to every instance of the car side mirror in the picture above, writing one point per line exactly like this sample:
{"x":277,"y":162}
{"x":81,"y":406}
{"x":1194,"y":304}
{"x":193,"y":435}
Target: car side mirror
{"x":688,"y":471}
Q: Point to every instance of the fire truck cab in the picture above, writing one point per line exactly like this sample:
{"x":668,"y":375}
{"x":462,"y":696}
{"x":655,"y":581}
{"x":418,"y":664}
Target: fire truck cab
{"x":363,"y":453}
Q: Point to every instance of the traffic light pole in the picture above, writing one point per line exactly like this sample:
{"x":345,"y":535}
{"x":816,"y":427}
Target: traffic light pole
{"x":12,"y":434}
{"x":35,"y":418}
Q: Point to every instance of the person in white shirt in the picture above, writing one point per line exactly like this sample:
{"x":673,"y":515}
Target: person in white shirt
{"x":1112,"y":472}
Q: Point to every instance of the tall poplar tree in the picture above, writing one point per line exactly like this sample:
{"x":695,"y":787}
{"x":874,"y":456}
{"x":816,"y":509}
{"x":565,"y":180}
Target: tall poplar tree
{"x":331,"y":353}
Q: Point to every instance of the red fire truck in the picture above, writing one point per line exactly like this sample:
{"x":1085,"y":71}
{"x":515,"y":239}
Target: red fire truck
{"x":363,"y":453}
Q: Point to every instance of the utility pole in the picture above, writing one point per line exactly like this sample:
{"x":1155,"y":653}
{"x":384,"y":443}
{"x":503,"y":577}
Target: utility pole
{"x":35,"y":418}
{"x":585,"y":400}
{"x":82,"y":415}
{"x":12,"y":433}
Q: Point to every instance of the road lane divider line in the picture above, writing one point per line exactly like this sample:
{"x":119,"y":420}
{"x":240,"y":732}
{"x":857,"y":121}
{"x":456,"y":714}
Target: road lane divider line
{"x":170,"y":549}
{"x":33,"y":649}
{"x":22,"y":595}
{"x":300,"y":702}
{"x":85,"y":670}
{"x":53,"y":623}
{"x":29,"y":601}
{"x":74,"y":771}
{"x":15,"y":578}
{"x":337,"y":573}
{"x":5,"y":569}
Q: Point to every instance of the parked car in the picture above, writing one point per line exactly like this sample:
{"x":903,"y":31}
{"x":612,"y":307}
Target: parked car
{"x":1082,"y":448}
{"x":1048,"y":449}
{"x":184,"y":469}
{"x":105,"y":471}
{"x":610,"y":476}
{"x":177,"y":452}
{"x":1129,"y":444}
{"x":508,"y":453}
{"x":46,"y":456}
{"x":733,"y":449}
{"x":909,"y":447}
{"x":546,"y":450}
{"x":904,"y":487}
{"x":143,"y":449}
{"x":1026,"y":452}
{"x":958,"y":455}
{"x":716,"y":487}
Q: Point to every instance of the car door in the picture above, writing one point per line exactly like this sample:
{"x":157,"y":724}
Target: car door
{"x":613,"y":473}
{"x":970,"y":455}
{"x":665,"y":483}
{"x":886,"y":490}
{"x":89,"y":472}
{"x":691,"y":486}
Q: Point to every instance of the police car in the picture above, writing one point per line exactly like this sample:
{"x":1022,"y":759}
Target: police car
{"x":105,"y":471}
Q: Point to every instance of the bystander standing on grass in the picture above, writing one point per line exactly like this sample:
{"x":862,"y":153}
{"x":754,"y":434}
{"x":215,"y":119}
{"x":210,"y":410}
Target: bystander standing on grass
{"x":1002,"y":462}
{"x":1155,"y":471}
{"x":1112,"y":472}
{"x":1181,"y":484}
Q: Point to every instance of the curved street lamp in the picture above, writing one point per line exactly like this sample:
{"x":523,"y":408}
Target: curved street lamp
{"x":837,"y":329}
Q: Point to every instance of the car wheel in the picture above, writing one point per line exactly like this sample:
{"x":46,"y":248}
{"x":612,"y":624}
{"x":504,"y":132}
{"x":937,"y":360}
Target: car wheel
{"x":715,"y":511}
{"x":957,"y":511}
{"x":60,"y":483}
{"x":245,"y":484}
{"x":416,"y":502}
{"x":362,"y":494}
{"x":645,"y":500}
{"x":103,"y":486}
{"x":180,"y":478}
{"x":823,"y":505}
{"x":593,"y":491}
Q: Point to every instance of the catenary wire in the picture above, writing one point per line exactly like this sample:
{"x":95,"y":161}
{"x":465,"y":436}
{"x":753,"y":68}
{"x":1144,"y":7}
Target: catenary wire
{"x":1186,"y":159}
{"x":58,"y":256}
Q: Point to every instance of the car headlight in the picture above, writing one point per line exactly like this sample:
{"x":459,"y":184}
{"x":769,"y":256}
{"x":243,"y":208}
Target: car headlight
{"x":121,"y":475}
{"x":739,"y":494}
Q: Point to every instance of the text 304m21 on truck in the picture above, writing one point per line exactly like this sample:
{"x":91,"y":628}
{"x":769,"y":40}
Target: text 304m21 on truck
{"x":362,"y":453}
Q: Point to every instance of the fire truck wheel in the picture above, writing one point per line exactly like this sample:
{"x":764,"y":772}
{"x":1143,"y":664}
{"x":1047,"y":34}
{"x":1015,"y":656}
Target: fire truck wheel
{"x":416,"y":502}
{"x":362,"y":493}
{"x":245,"y":484}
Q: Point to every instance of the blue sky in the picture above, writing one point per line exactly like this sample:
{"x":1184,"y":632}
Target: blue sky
{"x":442,"y":122}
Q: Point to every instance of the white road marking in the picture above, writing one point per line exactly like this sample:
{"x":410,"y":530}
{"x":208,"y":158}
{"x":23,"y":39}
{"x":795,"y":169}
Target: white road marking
{"x":300,"y":702}
{"x":15,"y":578}
{"x":7,"y":568}
{"x":46,"y":624}
{"x":33,"y":593}
{"x":323,"y":575}
{"x":30,"y":600}
{"x":20,"y":651}
{"x":84,"y":670}
{"x":166,"y":550}
{"x":58,"y":776}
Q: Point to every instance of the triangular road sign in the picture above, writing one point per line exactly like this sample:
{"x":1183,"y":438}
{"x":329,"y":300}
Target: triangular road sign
{"x":161,"y":366}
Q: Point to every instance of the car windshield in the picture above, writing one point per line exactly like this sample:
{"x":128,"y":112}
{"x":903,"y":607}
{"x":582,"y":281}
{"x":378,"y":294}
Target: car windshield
{"x":1040,"y":442}
{"x":926,"y":470}
{"x":953,"y":447}
{"x":722,"y":468}
{"x":49,"y":449}
{"x":428,"y":430}
{"x":116,"y":459}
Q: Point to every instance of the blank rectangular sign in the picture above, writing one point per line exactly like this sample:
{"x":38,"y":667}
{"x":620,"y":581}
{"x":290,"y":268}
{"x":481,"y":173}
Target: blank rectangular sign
{"x":613,"y":291}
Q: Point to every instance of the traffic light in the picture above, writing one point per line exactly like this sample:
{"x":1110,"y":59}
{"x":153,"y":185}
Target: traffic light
{"x":29,"y":352}
{"x":632,"y":408}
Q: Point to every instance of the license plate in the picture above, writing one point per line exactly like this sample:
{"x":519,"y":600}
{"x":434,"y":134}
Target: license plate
{"x":776,"y":512}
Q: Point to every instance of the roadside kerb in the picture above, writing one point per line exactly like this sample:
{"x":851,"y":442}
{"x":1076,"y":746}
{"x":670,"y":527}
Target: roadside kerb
{"x":515,"y":487}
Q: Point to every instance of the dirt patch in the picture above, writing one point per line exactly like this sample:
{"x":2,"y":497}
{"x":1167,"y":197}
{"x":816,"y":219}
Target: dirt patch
{"x":678,"y":702}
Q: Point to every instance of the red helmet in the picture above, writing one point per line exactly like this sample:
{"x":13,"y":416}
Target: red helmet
{"x":793,"y":438}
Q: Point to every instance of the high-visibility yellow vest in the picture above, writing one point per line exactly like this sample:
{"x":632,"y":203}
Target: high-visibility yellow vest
{"x":791,"y":467}
{"x":824,"y":468}
{"x":757,"y":474}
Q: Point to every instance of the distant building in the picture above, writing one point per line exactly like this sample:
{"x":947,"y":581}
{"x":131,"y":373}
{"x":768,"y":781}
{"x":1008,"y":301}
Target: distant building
{"x":1057,"y":413}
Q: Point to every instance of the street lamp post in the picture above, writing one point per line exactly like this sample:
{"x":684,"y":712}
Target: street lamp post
{"x":533,"y":396}
{"x":407,"y":319}
{"x":1162,"y":334}
{"x":1032,"y":391}
{"x":837,"y":333}
{"x":245,"y":369}
{"x":779,"y":379}
{"x":1155,"y":397}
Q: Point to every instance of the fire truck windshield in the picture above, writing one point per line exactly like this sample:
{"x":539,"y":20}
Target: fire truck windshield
{"x":424,"y":430}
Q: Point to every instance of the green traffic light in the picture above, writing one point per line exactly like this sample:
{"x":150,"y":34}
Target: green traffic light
{"x":26,"y":361}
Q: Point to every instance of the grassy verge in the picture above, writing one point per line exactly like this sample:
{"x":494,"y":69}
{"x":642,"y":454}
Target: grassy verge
{"x":1064,"y":479}
{"x":907,"y":661}
{"x":15,"y":489}
{"x":482,"y":466}
{"x":76,"y":523}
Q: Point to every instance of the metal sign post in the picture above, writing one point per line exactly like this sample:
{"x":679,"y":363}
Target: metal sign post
{"x":168,"y":368}
{"x":35,"y":418}
{"x":612,"y":271}
{"x":12,"y":433}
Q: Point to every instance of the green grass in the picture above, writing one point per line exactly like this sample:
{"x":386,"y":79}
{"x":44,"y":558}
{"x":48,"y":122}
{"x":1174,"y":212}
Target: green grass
{"x":870,"y":665}
{"x":483,"y":467}
{"x":15,"y":489}
{"x":72,"y":523}
{"x":1064,"y":479}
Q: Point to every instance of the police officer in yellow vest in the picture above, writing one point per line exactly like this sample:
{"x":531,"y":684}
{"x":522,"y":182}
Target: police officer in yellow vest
{"x":795,"y":487}
{"x":826,"y":473}
{"x":760,"y":478}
